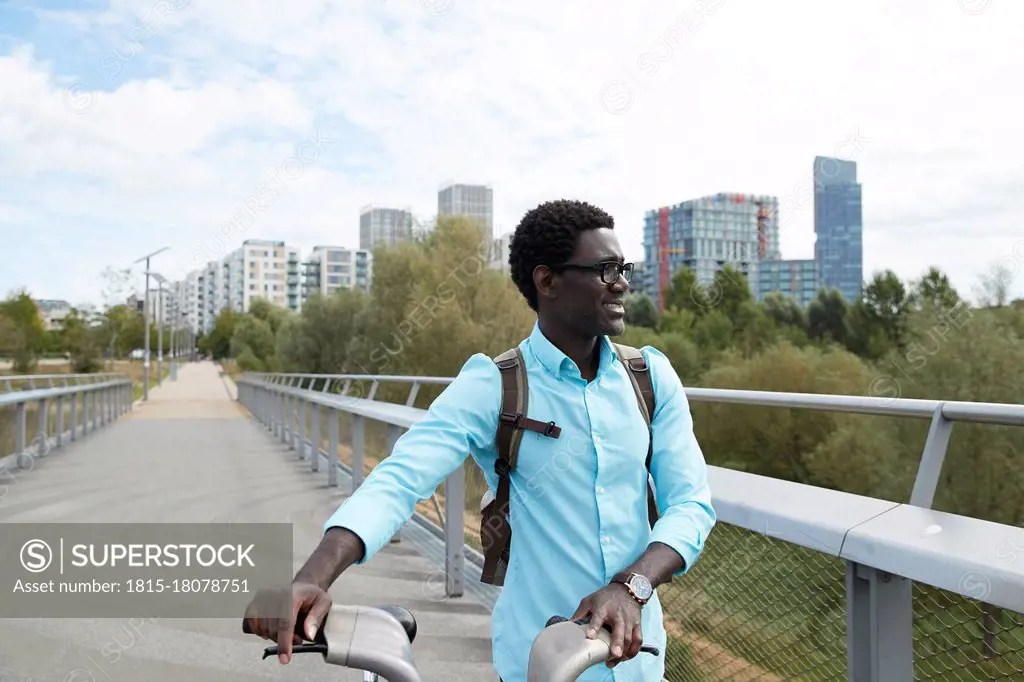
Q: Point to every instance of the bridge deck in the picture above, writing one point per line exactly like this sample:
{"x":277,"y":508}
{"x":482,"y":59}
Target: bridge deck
{"x":191,"y":454}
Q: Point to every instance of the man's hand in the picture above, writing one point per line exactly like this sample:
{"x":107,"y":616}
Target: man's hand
{"x":307,"y":601}
{"x":614,"y":606}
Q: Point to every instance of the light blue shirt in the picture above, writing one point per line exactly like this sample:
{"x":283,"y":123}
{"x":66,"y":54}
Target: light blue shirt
{"x":578,"y":502}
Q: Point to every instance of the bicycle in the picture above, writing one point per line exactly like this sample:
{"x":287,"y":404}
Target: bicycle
{"x":377,"y":640}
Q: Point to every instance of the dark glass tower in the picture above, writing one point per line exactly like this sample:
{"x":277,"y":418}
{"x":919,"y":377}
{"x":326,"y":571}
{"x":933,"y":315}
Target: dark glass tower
{"x":838,"y":226}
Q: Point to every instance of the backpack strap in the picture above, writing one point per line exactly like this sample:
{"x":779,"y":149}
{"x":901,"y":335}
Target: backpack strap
{"x":496,"y":533}
{"x":640,"y":377}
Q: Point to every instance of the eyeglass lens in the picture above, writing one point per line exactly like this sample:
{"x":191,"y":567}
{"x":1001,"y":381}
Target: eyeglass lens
{"x":611,"y":272}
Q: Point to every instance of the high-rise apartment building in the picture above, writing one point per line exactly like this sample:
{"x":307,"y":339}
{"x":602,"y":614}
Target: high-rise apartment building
{"x":330,"y":268}
{"x":262,"y":269}
{"x":271,"y":270}
{"x":388,"y":226}
{"x":473,"y":201}
{"x":707,"y":233}
{"x":838,"y":226}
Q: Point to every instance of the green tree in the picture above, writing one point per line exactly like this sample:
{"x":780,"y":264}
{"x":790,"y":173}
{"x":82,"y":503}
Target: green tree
{"x":728,"y":292}
{"x":826,"y":317}
{"x":218,"y":342}
{"x":785,"y":310}
{"x":256,"y":335}
{"x":83,"y":344}
{"x":877,"y":319}
{"x":796,"y":444}
{"x":273,"y":315}
{"x":23,"y":333}
{"x":641,"y":311}
{"x":318,"y":339}
{"x":933,"y":290}
{"x":685,"y":293}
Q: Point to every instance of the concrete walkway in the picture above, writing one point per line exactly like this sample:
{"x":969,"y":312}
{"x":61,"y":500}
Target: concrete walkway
{"x":192,"y":454}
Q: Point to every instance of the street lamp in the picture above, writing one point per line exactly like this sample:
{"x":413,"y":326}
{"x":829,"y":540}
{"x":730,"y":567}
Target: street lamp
{"x":160,"y":282}
{"x":145,"y":315}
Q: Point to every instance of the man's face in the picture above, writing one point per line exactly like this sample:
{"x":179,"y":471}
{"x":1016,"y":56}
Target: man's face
{"x":587,"y":304}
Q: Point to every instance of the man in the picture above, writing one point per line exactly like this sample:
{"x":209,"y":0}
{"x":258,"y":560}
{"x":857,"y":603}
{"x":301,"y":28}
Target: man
{"x":578,"y":502}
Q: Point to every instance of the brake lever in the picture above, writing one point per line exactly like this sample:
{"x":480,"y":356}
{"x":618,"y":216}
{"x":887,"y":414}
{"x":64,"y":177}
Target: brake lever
{"x":644,"y":649}
{"x":319,"y":646}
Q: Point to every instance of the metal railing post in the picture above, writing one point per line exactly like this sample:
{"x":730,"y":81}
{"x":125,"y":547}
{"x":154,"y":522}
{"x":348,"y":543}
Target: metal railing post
{"x":332,"y":454}
{"x":930,"y":468}
{"x":314,"y":451}
{"x":454,"y":531}
{"x":278,"y":400}
{"x":73,"y":399}
{"x":879,"y":625}
{"x":19,"y":432}
{"x":60,"y":421}
{"x":42,"y":426}
{"x":289,"y":421}
{"x":303,"y":429}
{"x":86,"y":422}
{"x":357,"y":451}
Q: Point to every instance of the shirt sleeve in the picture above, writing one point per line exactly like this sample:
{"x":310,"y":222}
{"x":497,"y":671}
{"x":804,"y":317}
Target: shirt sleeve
{"x":678,"y":467}
{"x":462,"y":420}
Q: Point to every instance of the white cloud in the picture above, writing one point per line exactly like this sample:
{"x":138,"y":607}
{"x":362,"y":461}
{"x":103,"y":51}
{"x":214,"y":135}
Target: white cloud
{"x":723,"y":95}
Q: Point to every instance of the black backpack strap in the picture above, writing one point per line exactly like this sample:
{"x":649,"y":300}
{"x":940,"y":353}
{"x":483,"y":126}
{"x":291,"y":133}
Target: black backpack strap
{"x":496,"y":533}
{"x":640,"y":376}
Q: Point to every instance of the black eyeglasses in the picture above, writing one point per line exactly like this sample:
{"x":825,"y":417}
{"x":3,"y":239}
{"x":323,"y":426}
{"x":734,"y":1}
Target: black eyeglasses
{"x":609,"y":270}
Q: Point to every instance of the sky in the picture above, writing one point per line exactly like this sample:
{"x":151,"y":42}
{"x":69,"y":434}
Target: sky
{"x":128,"y":126}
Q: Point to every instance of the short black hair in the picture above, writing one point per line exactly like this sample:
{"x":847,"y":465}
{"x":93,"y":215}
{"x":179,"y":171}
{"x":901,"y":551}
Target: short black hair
{"x":547,"y":235}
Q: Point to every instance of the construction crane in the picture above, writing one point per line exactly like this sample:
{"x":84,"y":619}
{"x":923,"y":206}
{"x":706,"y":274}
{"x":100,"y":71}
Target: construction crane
{"x":762,"y":229}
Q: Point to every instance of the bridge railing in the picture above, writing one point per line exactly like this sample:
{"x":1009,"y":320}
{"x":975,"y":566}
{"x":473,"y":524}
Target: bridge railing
{"x":796,"y":582}
{"x":44,"y":411}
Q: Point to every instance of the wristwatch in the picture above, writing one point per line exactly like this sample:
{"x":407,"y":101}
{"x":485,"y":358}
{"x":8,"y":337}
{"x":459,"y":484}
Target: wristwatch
{"x":639,"y":586}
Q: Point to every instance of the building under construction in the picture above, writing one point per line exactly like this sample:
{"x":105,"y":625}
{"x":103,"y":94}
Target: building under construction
{"x":705,"y":234}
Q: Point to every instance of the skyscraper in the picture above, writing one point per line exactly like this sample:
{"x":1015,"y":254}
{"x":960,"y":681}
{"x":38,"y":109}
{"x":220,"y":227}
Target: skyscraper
{"x":383,"y":226}
{"x":838,"y":226}
{"x":473,"y":201}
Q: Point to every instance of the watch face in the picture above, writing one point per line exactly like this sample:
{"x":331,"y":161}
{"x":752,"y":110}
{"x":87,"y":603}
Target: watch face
{"x":642,"y":587}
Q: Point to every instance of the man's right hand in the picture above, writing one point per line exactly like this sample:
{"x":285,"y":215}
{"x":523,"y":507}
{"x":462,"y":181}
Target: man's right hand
{"x":309,"y":607}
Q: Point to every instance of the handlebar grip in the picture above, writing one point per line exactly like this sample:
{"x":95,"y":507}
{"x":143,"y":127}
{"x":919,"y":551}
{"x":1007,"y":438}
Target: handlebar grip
{"x":644,"y":649}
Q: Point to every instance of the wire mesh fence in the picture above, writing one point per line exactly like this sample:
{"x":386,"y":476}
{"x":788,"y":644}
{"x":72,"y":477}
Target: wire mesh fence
{"x":756,"y":608}
{"x":958,"y":638}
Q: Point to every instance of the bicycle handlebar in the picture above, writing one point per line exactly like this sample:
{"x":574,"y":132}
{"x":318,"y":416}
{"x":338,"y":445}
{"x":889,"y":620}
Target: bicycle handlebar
{"x":374,"y":639}
{"x":379,"y":640}
{"x":562,"y":650}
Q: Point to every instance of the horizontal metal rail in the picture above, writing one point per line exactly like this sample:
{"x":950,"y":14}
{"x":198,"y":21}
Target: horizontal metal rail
{"x":886,"y":545}
{"x":9,"y":384}
{"x":101,"y":398}
{"x":942,"y":413}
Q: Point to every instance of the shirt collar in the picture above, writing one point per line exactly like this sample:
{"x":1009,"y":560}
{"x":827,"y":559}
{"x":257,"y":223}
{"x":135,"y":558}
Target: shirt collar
{"x":558,"y":363}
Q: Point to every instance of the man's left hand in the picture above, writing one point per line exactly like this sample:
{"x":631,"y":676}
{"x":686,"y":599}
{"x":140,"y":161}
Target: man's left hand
{"x":614,"y":606}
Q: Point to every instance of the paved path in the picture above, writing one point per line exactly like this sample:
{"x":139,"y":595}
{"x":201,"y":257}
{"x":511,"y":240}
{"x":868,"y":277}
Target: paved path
{"x":192,"y":454}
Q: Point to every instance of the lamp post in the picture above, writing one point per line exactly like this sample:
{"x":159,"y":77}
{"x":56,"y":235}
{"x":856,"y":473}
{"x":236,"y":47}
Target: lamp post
{"x":160,"y":281}
{"x":145,"y":315}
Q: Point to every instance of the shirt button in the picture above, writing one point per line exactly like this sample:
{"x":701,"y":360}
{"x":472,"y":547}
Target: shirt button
{"x":600,"y":490}
{"x":597,"y":440}
{"x":606,"y":539}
